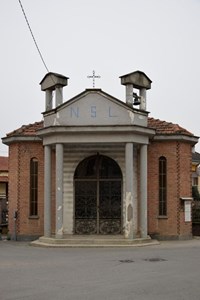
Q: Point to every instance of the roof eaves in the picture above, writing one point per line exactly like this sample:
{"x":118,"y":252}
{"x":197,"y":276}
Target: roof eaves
{"x":20,"y":138}
{"x":176,"y":137}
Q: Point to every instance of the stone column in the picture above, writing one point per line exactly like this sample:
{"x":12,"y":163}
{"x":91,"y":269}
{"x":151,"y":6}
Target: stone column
{"x":47,"y":191}
{"x":59,"y":96}
{"x":143,"y":99}
{"x":131,"y":205}
{"x":49,"y":104}
{"x":143,"y":191}
{"x":129,"y":95}
{"x":59,"y":190}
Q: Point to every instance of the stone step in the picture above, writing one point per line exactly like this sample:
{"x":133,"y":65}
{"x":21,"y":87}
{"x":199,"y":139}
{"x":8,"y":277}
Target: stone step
{"x":93,"y":242}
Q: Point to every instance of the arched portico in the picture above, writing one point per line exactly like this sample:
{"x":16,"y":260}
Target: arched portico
{"x":98,"y":196}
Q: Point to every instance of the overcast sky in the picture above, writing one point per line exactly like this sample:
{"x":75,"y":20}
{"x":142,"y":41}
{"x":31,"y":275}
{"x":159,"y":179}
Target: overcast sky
{"x":112,"y":37}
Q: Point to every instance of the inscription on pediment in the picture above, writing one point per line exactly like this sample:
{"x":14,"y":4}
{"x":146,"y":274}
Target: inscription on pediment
{"x":92,"y":110}
{"x":75,"y":112}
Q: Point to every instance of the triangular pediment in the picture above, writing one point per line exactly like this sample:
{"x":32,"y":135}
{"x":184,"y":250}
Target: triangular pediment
{"x":94,"y":108}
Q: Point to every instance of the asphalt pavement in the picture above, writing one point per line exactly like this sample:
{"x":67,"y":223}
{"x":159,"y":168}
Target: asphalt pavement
{"x":169,"y":271}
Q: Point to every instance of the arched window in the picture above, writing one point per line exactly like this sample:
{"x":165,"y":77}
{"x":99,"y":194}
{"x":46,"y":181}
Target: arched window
{"x":33,"y":187}
{"x":162,"y":186}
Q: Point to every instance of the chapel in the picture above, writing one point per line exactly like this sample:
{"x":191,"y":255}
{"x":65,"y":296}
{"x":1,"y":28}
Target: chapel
{"x":98,"y":165}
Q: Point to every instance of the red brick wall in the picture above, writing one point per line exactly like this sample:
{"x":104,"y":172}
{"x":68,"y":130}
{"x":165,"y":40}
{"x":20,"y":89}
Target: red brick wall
{"x":179,"y":161}
{"x":185,"y":185}
{"x":20,"y":155}
{"x":13,"y":191}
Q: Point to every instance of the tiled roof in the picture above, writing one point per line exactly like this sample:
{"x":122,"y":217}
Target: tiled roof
{"x":3,"y":163}
{"x":161,"y":127}
{"x":167,"y":128}
{"x":28,"y":130}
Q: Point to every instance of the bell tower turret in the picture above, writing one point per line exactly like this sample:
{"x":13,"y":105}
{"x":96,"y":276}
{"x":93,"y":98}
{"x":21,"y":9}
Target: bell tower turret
{"x":137,"y":80}
{"x":51,"y":82}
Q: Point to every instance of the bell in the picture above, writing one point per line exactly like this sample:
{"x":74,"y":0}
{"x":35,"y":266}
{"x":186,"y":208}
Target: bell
{"x":136,"y":99}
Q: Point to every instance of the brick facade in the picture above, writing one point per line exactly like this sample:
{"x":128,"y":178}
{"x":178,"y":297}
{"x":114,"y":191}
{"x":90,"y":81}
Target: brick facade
{"x":20,"y":155}
{"x":173,"y":226}
{"x":178,"y":155}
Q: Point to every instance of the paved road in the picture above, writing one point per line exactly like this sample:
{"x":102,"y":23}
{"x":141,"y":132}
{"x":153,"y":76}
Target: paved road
{"x":169,"y":271}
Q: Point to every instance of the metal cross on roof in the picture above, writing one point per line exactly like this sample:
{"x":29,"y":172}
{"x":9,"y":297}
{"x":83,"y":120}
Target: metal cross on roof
{"x":93,"y":76}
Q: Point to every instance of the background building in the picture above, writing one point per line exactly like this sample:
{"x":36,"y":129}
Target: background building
{"x":196,"y":170}
{"x":3,"y":194}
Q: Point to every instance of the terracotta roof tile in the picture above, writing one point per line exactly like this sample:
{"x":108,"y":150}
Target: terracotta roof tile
{"x":167,"y":128}
{"x":28,"y":130}
{"x":161,"y":127}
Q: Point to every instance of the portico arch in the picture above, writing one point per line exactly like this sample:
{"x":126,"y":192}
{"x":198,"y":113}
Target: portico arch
{"x":98,"y":196}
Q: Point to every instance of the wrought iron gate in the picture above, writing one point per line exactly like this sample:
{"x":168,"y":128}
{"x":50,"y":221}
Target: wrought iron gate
{"x":98,"y":196}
